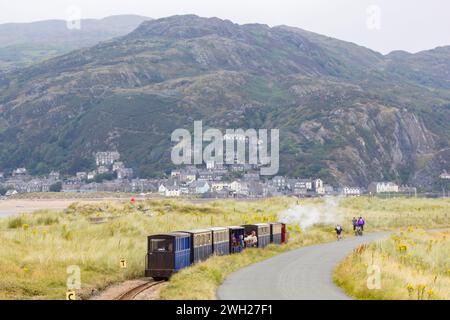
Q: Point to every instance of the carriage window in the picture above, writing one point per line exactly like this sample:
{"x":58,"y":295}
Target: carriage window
{"x":161,"y":245}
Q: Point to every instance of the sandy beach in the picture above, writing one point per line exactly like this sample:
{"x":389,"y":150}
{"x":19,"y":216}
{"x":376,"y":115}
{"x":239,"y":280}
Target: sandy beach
{"x":17,"y":206}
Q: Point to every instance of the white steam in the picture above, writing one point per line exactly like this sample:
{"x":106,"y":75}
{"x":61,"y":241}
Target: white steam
{"x":307,"y":215}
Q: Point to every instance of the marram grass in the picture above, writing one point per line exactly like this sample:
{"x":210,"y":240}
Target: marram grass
{"x":414,"y":265}
{"x":36,"y":249}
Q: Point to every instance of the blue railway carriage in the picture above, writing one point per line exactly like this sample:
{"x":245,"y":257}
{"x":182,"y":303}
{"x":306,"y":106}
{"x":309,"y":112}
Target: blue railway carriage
{"x":236,"y":240}
{"x":220,"y":240}
{"x":167,"y":254}
{"x":276,"y":231}
{"x":262,"y":231}
{"x":201,"y":244}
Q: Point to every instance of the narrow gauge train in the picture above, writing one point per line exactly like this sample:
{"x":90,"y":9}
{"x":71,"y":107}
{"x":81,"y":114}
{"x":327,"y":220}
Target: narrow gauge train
{"x":168,"y":253}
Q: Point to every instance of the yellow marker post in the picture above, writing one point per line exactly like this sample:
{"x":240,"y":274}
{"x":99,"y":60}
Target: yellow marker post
{"x":123,"y":263}
{"x":71,"y":295}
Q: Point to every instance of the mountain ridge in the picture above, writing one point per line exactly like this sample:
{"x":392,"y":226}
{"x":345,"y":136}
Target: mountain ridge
{"x":22,"y":44}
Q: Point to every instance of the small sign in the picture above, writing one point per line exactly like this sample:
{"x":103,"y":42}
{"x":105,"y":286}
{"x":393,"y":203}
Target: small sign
{"x":71,"y":295}
{"x":123,"y":263}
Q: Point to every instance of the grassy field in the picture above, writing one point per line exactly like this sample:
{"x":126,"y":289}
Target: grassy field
{"x":413,"y":264}
{"x":37,"y":248}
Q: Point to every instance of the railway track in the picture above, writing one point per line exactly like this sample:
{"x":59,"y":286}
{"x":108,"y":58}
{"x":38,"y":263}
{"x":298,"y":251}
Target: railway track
{"x":132,"y":293}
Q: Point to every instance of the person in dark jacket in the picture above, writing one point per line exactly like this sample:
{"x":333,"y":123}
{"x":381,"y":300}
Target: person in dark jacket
{"x":355,"y":223}
{"x":339,"y":231}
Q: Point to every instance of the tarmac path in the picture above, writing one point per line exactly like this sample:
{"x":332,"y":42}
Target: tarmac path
{"x":301,"y":274}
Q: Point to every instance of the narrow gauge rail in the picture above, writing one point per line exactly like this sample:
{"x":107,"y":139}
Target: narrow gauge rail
{"x":132,"y":293}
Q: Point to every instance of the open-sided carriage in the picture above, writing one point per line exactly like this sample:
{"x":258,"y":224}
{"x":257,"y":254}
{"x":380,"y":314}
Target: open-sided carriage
{"x":167,"y":254}
{"x":262,"y":231}
{"x":237,"y":235}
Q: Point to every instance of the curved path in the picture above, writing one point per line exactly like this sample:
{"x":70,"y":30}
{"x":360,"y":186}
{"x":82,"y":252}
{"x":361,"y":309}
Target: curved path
{"x":301,"y":274}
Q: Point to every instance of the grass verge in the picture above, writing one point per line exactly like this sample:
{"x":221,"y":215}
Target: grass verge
{"x":412,"y":264}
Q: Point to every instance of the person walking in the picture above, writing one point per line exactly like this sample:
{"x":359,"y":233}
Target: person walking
{"x":339,"y":231}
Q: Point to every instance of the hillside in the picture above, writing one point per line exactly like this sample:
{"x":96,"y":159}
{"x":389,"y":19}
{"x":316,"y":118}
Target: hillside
{"x":24,"y":43}
{"x":345,"y":113}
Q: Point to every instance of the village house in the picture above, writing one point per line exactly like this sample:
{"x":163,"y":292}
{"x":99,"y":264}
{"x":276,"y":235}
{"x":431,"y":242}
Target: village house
{"x":91,"y":175}
{"x":164,"y":185}
{"x":188,"y":176}
{"x":125,"y":173}
{"x":172,"y":191}
{"x":143,"y":185}
{"x":117,"y":166}
{"x":106,"y":158}
{"x":382,"y":187}
{"x":82,"y":175}
{"x":19,"y":172}
{"x":210,"y":164}
{"x":318,"y":187}
{"x":219,"y":185}
{"x":90,"y":187}
{"x":279,"y":182}
{"x":11,"y":192}
{"x":445,"y":175}
{"x":205,"y":175}
{"x":162,"y":189}
{"x":256,"y":189}
{"x":199,"y":187}
{"x":54,"y":175}
{"x":240,"y":188}
{"x":71,"y":185}
{"x":102,"y":170}
{"x":184,"y":189}
{"x":351,"y":191}
{"x":175,"y":173}
{"x":300,"y":187}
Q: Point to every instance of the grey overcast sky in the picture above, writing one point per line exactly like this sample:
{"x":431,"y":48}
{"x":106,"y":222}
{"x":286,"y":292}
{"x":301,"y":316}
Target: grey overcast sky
{"x":382,"y":25}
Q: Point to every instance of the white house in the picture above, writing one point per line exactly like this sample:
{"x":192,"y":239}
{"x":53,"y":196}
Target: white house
{"x":318,"y":186}
{"x":106,"y":158}
{"x":162,"y":189}
{"x":10,"y":193}
{"x":236,"y":185}
{"x":219,"y":185}
{"x":445,"y":175}
{"x":382,"y":187}
{"x":173,"y":191}
{"x":91,"y":175}
{"x":351,"y":191}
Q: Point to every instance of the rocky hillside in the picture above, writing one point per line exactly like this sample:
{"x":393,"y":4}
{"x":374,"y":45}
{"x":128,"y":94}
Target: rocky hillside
{"x":22,"y":44}
{"x":345,"y":113}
